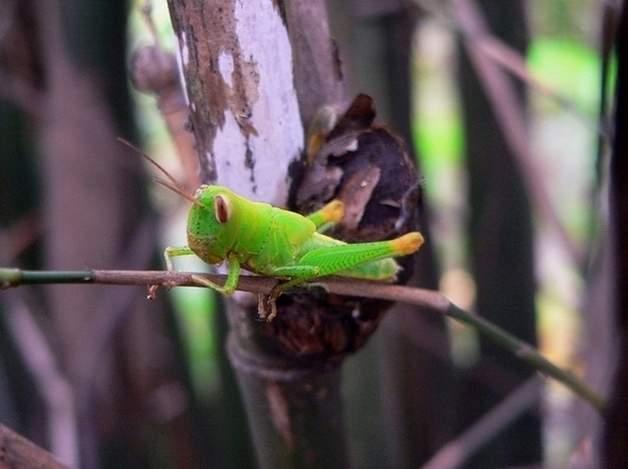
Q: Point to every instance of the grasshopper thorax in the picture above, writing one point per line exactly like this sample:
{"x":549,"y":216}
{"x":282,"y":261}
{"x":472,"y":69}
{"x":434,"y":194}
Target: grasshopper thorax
{"x":213,"y":223}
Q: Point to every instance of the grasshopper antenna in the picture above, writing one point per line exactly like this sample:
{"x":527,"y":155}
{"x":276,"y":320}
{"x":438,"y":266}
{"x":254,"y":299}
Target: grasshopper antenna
{"x":172,"y":183}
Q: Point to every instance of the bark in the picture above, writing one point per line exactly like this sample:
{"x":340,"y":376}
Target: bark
{"x":236,"y":97}
{"x":318,"y":72}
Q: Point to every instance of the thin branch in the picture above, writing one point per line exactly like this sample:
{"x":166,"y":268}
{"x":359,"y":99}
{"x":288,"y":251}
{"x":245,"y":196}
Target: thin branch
{"x":431,"y":299}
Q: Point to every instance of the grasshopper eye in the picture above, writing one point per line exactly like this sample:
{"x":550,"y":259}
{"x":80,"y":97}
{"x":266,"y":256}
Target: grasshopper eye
{"x":222,"y":209}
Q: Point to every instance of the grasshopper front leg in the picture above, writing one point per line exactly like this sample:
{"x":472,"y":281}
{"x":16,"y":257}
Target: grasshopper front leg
{"x":232,"y":276}
{"x":169,"y":253}
{"x":177,"y":251}
{"x":231,"y":282}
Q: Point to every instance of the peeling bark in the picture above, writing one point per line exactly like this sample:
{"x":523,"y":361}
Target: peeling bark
{"x":237,"y":63}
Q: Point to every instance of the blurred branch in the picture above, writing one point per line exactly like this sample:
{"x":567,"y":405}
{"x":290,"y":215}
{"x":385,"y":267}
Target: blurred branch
{"x":51,"y":384}
{"x":21,"y":93}
{"x":511,"y":60}
{"x":18,"y":452}
{"x":510,"y":115}
{"x":21,"y":234}
{"x":154,"y":71}
{"x":456,"y":452}
{"x":431,"y":299}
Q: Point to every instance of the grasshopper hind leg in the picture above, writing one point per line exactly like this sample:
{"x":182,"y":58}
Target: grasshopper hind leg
{"x":299,"y":275}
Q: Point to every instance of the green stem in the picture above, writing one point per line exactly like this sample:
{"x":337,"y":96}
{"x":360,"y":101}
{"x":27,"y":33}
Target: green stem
{"x":11,"y":277}
{"x":528,"y":354}
{"x":15,"y":277}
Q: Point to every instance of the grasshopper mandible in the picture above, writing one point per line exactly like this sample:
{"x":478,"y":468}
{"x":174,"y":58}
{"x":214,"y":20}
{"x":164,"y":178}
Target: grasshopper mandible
{"x":266,"y":240}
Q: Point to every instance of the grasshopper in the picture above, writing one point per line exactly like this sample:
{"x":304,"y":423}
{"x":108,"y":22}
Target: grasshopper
{"x":266,"y":240}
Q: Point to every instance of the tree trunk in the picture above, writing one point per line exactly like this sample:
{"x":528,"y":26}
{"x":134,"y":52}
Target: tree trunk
{"x":247,"y":119}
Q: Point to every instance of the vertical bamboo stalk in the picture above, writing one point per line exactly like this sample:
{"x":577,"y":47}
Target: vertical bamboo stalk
{"x":295,"y":412}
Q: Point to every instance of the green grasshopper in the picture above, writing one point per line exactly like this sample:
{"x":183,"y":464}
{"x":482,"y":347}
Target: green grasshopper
{"x":266,"y":240}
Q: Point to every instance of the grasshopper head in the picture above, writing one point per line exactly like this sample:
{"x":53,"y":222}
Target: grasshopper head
{"x":214,"y":219}
{"x":213,"y":223}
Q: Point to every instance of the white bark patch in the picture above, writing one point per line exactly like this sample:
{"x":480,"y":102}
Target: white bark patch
{"x":182,"y":59}
{"x":225,"y":65}
{"x":256,"y":166}
{"x":229,"y":154}
{"x":183,"y":47}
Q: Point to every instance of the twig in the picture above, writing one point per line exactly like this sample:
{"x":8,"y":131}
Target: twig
{"x":431,"y":299}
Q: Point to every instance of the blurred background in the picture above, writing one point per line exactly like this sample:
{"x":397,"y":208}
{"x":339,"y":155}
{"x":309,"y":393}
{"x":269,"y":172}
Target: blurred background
{"x":503,"y":105}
